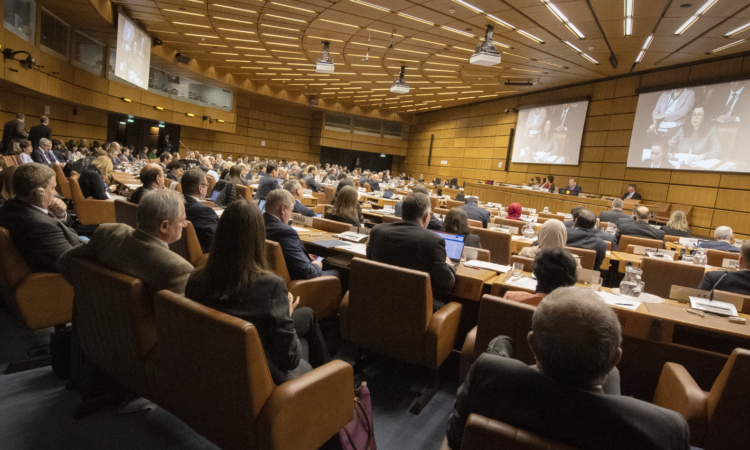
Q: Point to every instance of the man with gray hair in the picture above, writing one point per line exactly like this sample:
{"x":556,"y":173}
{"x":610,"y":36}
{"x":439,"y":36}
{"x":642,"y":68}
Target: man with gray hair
{"x":407,"y":243}
{"x":737,"y":282}
{"x":639,"y":228}
{"x":294,"y":188}
{"x":435,"y":223}
{"x":615,"y":214}
{"x":575,"y":340}
{"x":723,"y":240}
{"x":39,"y":154}
{"x":142,"y":253}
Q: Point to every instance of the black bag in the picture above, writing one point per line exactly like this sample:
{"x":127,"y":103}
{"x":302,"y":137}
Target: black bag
{"x":79,"y":166}
{"x":59,"y":344}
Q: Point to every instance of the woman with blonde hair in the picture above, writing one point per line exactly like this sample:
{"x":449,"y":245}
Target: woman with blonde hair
{"x":93,"y":181}
{"x":677,"y":225}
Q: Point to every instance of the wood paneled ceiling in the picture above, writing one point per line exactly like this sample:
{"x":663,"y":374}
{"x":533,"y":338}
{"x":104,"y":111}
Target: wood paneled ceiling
{"x":276,"y":43}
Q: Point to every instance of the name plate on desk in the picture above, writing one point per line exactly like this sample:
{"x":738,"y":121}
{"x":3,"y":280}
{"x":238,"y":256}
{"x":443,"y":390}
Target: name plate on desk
{"x":689,"y":242}
{"x":729,"y":263}
{"x":504,"y":229}
{"x":299,"y":219}
{"x":650,"y":251}
{"x":526,"y":218}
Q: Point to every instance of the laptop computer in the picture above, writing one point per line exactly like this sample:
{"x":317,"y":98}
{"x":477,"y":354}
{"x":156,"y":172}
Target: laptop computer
{"x":319,"y":215}
{"x":454,"y":245}
{"x":388,"y":193}
{"x":215,"y":195}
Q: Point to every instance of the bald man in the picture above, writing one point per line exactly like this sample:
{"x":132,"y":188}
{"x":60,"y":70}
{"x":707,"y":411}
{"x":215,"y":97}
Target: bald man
{"x":639,"y":228}
{"x":152,"y":177}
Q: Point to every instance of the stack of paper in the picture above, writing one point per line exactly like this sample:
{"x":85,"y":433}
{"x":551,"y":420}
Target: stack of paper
{"x":499,"y":268}
{"x":619,"y":300}
{"x":522,"y":282}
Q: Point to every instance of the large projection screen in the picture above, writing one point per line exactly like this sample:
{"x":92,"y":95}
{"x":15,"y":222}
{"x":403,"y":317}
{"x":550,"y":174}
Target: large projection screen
{"x":133,"y":53}
{"x":550,"y":134}
{"x":695,"y":128}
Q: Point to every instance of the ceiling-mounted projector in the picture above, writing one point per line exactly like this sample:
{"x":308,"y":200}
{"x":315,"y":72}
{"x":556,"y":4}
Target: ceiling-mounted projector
{"x":485,"y":53}
{"x":324,"y":64}
{"x":399,"y":86}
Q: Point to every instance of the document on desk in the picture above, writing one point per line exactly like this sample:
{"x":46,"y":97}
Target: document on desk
{"x":499,"y":268}
{"x":300,"y":230}
{"x":219,"y":212}
{"x":522,"y":282}
{"x":619,"y":300}
{"x":360,"y":249}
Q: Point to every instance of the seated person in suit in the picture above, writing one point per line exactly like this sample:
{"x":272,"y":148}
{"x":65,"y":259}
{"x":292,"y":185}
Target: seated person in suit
{"x":631,"y":194}
{"x":435,"y":223}
{"x":474,"y":212}
{"x":677,"y":225}
{"x":142,"y":253}
{"x":572,"y":187}
{"x":345,"y":207}
{"x":408,"y":244}
{"x":737,"y":282}
{"x":573,"y":212}
{"x":93,"y":181}
{"x":267,"y":182}
{"x":203,"y":218}
{"x":300,"y":264}
{"x":723,"y":241}
{"x":36,"y":219}
{"x":553,"y":268}
{"x":164,"y":159}
{"x":294,"y":188}
{"x":457,"y":222}
{"x":567,"y":396}
{"x":310,"y":179}
{"x":639,"y":228}
{"x":615,"y":214}
{"x":40,"y":154}
{"x":237,"y":281}
{"x":583,"y":235}
{"x":152,"y":177}
{"x":374,"y":183}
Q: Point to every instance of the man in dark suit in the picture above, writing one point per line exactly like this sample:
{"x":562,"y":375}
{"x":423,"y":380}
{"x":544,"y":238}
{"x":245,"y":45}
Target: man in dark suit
{"x":728,"y":104}
{"x":583,"y":235}
{"x":203,"y":218}
{"x":40,"y":131}
{"x":737,"y":282}
{"x":310,"y":180}
{"x":36,"y":219}
{"x":14,"y":131}
{"x":407,"y":243}
{"x":723,"y":241}
{"x":475,"y":212}
{"x":300,"y":264}
{"x":164,"y":159}
{"x":374,"y":183}
{"x":39,"y":154}
{"x":175,"y":170}
{"x":294,"y":188}
{"x":572,"y":188}
{"x":639,"y":228}
{"x":631,"y":194}
{"x":565,"y":397}
{"x":267,"y":182}
{"x":615,"y":214}
{"x":573,"y":212}
{"x":152,"y":177}
{"x":435,"y":223}
{"x":607,"y":237}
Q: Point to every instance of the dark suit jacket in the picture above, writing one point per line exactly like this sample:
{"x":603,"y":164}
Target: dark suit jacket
{"x":374,"y":185}
{"x":397,"y":208}
{"x":38,"y":132}
{"x":639,"y":229}
{"x":613,"y":216}
{"x":312,"y":184}
{"x":138,"y":194}
{"x":350,"y":220}
{"x":299,"y":208}
{"x":476,"y":213}
{"x":204,"y":220}
{"x":38,"y":156}
{"x":435,"y":223}
{"x":266,"y":184}
{"x":406,"y":244}
{"x":296,"y":257}
{"x":263,"y":303}
{"x":607,"y":237}
{"x":13,"y":131}
{"x":737,"y":282}
{"x":507,"y":390}
{"x":171,"y":176}
{"x":92,"y":185}
{"x":576,"y":188}
{"x":472,"y":240}
{"x":719,"y":245}
{"x":588,"y":239}
{"x":40,"y":238}
{"x":636,"y":196}
{"x":669,"y":231}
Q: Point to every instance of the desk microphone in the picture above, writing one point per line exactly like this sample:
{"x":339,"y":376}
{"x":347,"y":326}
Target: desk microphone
{"x":717,"y":283}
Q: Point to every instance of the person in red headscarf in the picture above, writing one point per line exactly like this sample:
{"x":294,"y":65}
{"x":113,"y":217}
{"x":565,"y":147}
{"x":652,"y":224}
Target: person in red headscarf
{"x":514,"y":211}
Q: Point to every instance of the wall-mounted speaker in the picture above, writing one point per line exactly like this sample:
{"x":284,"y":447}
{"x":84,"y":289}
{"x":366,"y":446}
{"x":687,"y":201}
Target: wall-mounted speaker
{"x":314,"y":101}
{"x":184,"y":59}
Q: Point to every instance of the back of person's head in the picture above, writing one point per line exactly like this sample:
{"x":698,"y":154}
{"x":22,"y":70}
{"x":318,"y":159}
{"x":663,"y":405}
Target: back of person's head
{"x":20,"y":116}
{"x":678,"y":221}
{"x":554,"y":268}
{"x":175,"y":165}
{"x":6,"y":183}
{"x":575,"y":210}
{"x":470,"y":199}
{"x":44,"y":120}
{"x":642,"y":213}
{"x":341,"y":176}
{"x":278,"y":198}
{"x":617,"y":203}
{"x":149,"y":174}
{"x":235,"y":174}
{"x":721,"y":233}
{"x":420,"y":189}
{"x":457,"y":222}
{"x":577,"y":337}
{"x":103,"y":164}
{"x":270,"y":168}
{"x":165,"y":157}
{"x":346,"y":203}
{"x":29,"y":177}
{"x":292,"y":186}
{"x":343,"y":184}
{"x":586,"y":219}
{"x":156,"y":206}
{"x":415,"y":206}
{"x":191,"y":181}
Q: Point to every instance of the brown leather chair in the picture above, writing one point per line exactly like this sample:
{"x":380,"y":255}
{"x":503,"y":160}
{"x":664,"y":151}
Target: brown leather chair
{"x":668,"y":238}
{"x":482,"y":253}
{"x":511,"y":223}
{"x":489,"y":434}
{"x":454,"y":204}
{"x":368,"y":188}
{"x":663,"y":212}
{"x":475,"y":223}
{"x":116,"y":326}
{"x":552,"y":216}
{"x":330,"y":226}
{"x":303,"y":184}
{"x":330,"y":193}
{"x":661,"y":274}
{"x":242,"y":409}
{"x":496,"y":242}
{"x":587,"y":257}
{"x":244,"y":192}
{"x":211,"y":183}
{"x":716,"y":257}
{"x":390,"y":219}
{"x":321,"y":209}
{"x":434,"y":203}
{"x":126,"y":212}
{"x":395,"y":318}
{"x":189,"y":247}
{"x":90,"y":211}
{"x":62,"y":182}
{"x":498,"y":316}
{"x":528,"y":263}
{"x":626,"y":240}
{"x":603,"y":225}
{"x":322,"y":294}
{"x":321,"y":196}
{"x":441,"y":211}
{"x":40,"y":300}
{"x":718,"y":419}
{"x":10,"y":161}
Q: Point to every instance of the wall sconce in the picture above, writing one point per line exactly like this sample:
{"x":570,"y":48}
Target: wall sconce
{"x":159,"y":108}
{"x":190,"y":114}
{"x":126,"y":100}
{"x":220,"y":120}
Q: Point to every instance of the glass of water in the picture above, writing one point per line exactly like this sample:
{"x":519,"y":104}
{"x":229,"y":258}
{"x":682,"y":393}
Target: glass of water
{"x":596,"y":283}
{"x":517,"y":269}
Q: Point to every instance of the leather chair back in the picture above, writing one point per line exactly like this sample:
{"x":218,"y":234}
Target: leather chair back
{"x":10,"y":161}
{"x":90,"y":211}
{"x":496,"y":242}
{"x":528,"y":263}
{"x":63,"y":182}
{"x":321,"y":196}
{"x":126,"y":212}
{"x":275,"y":258}
{"x":511,"y":223}
{"x":12,"y":265}
{"x":211,"y":183}
{"x":188,"y":246}
{"x":603,"y":225}
{"x":388,"y":318}
{"x":434,"y":202}
{"x":244,"y":192}
{"x":716,"y":257}
{"x":441,"y":211}
{"x":668,"y":238}
{"x":390,"y":219}
{"x":626,"y":240}
{"x":454,"y":204}
{"x":116,"y":325}
{"x":330,"y":193}
{"x":728,"y":414}
{"x":498,"y":316}
{"x":482,"y":254}
{"x":552,"y":216}
{"x":660,"y":275}
{"x":481,"y":432}
{"x":368,"y":188}
{"x":302,"y":183}
{"x":475,"y":223}
{"x":223,"y":408}
{"x":330,"y":226}
{"x":587,"y":257}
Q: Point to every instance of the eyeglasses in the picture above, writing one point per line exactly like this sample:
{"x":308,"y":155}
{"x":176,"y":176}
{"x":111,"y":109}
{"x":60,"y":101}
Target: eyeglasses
{"x":698,"y":114}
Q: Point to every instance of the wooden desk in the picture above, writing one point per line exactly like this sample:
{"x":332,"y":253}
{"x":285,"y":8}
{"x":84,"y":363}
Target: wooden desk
{"x":379,"y":201}
{"x":309,"y":200}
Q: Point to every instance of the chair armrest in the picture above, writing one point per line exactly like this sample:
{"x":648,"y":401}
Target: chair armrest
{"x":679,"y":392}
{"x":344,"y":317}
{"x":201,"y":261}
{"x":305,"y":412}
{"x":467,"y":355}
{"x":44,"y":300}
{"x":441,"y":335}
{"x":322,"y":294}
{"x":445,"y":445}
{"x":96,"y":212}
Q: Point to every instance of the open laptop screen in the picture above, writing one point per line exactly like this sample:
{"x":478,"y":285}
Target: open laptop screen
{"x":262,"y":205}
{"x":454,"y":245}
{"x":215,"y":195}
{"x":388,"y":193}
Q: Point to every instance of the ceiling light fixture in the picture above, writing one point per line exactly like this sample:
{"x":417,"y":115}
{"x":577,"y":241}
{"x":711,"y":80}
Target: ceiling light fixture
{"x":561,"y":17}
{"x":530,"y":36}
{"x":629,"y":17}
{"x":577,"y":50}
{"x":486,"y":54}
{"x":286,"y":18}
{"x":233,"y":20}
{"x":399,"y":85}
{"x":190,"y":24}
{"x":327,"y":39}
{"x":457,"y":31}
{"x":645,"y":47}
{"x":416,"y":19}
{"x":294,"y":7}
{"x":716,"y":50}
{"x":737,"y":31}
{"x":694,"y":18}
{"x":325,"y":63}
{"x":280,"y":28}
{"x":451,"y":57}
{"x":236,"y":31}
{"x":381,"y":8}
{"x":236,"y":9}
{"x":501,"y":22}
{"x":339,"y":23}
{"x":429,"y":42}
{"x":183,"y":12}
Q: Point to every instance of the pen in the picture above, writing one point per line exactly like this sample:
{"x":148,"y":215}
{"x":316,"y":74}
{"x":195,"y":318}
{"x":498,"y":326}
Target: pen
{"x":623,"y":304}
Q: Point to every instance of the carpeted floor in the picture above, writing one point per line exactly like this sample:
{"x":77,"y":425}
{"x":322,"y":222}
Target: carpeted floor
{"x":35,"y":408}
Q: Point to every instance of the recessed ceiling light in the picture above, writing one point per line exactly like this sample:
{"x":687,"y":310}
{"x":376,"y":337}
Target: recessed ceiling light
{"x":294,"y":7}
{"x":716,"y":50}
{"x":415,"y":18}
{"x":280,"y":28}
{"x":694,"y":18}
{"x":737,"y":31}
{"x":279,"y":36}
{"x":410,"y":51}
{"x":339,"y":23}
{"x":236,"y":31}
{"x":530,"y":36}
{"x":281,"y":43}
{"x":190,"y":25}
{"x":236,"y":9}
{"x":232,"y":20}
{"x":184,"y":12}
{"x":457,"y":31}
{"x":202,"y":35}
{"x":451,"y":57}
{"x":324,"y":38}
{"x":286,"y":18}
{"x":429,"y":42}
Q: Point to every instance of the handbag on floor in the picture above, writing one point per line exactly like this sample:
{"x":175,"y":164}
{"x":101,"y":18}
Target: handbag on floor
{"x":358,"y":434}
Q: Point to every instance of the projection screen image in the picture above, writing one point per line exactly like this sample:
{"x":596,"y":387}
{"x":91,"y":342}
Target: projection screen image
{"x":550,"y":134}
{"x":695,"y":128}
{"x":133,"y":53}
